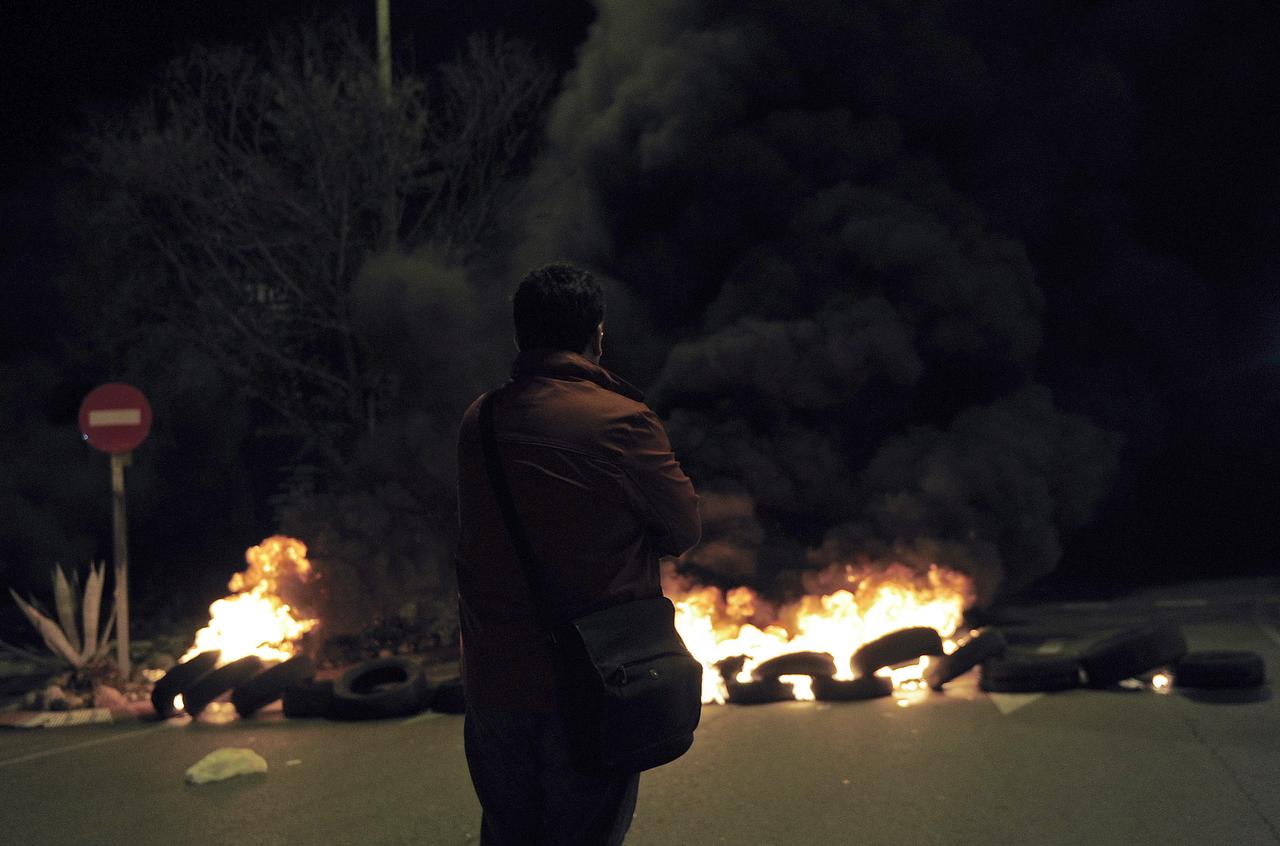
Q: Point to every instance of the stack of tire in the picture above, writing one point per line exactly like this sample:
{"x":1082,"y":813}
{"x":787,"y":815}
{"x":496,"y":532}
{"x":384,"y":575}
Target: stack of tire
{"x":1138,"y":651}
{"x":766,"y":684}
{"x":895,"y":649}
{"x":1104,"y":664}
{"x":376,"y":689}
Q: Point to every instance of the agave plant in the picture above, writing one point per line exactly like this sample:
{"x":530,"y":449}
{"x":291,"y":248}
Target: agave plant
{"x":63,"y":637}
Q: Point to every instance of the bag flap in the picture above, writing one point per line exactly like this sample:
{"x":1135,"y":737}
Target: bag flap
{"x":632,"y":631}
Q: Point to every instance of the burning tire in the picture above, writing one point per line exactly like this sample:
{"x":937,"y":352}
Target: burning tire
{"x":1131,"y":653}
{"x":1220,"y":669}
{"x":816,"y":664}
{"x":383,"y":687}
{"x":901,"y":647}
{"x":269,"y":685}
{"x":730,"y":667}
{"x":987,"y":643}
{"x":217,"y":682}
{"x":177,"y":680}
{"x":1022,"y":672}
{"x":839,"y":690}
{"x":759,"y":692}
{"x":450,"y":698}
{"x":309,"y":698}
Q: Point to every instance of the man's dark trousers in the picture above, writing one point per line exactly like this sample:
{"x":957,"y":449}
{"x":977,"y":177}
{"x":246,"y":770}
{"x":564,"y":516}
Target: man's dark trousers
{"x":531,"y":792}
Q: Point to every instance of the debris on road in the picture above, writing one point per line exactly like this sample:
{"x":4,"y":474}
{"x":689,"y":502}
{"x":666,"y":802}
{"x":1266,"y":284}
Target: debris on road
{"x":225,"y":763}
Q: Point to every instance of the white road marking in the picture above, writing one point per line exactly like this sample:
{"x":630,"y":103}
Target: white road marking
{"x":425,"y":715}
{"x":1181,"y":603}
{"x":1010,"y":702}
{"x":97,"y":741}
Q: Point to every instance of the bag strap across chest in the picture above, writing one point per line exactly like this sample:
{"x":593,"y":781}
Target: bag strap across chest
{"x":529,"y":562}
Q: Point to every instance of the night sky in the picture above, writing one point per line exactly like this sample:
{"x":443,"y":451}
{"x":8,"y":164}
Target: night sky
{"x":1112,"y":166}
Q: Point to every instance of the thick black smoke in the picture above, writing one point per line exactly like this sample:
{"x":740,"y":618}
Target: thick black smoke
{"x":853,"y":348}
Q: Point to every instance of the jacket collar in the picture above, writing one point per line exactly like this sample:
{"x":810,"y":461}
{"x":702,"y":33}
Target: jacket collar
{"x":562,"y":364}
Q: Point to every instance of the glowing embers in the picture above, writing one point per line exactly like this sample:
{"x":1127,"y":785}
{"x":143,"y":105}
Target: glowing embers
{"x":866,"y":603}
{"x":254,"y":620}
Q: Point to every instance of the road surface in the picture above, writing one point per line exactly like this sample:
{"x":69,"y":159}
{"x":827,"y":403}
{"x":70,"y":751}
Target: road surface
{"x":960,"y":767}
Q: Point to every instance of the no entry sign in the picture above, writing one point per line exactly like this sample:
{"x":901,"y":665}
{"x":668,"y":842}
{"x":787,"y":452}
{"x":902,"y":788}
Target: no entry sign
{"x":115,"y":417}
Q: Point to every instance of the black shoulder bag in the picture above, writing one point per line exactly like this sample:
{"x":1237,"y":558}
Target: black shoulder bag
{"x":629,"y":687}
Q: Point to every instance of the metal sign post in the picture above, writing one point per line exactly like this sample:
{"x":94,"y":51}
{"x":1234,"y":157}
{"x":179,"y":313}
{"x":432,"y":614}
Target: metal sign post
{"x":115,"y":418}
{"x":384,"y":47}
{"x":119,"y":529}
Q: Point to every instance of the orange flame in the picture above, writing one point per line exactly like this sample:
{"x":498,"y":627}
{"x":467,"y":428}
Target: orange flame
{"x":873,"y":601}
{"x":254,"y":620}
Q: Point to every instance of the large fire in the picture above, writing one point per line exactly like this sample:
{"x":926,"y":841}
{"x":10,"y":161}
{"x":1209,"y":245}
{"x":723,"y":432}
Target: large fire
{"x":254,"y":620}
{"x":863,"y":602}
{"x":870,"y":602}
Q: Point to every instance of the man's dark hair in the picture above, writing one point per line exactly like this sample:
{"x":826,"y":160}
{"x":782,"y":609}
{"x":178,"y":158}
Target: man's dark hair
{"x":557,"y":307}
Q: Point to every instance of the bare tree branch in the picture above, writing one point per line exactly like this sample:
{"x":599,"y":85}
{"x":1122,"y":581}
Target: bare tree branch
{"x":246,"y":191}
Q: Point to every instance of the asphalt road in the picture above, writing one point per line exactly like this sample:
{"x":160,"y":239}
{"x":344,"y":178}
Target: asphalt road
{"x":962,"y":767}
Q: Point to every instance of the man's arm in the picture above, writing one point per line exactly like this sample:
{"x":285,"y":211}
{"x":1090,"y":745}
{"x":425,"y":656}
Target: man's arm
{"x":663,"y":494}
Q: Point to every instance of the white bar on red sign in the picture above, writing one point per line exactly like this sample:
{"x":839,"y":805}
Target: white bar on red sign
{"x":116,"y":417}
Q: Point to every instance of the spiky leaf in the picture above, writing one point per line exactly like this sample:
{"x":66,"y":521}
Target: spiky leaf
{"x":65,"y":601}
{"x":49,"y":631}
{"x":91,"y":606}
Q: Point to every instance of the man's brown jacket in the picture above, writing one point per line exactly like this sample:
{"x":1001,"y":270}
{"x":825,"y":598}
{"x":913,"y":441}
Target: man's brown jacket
{"x":601,"y":497}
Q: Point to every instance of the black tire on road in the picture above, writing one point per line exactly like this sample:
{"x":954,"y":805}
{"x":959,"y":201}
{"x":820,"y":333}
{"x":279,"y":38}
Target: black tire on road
{"x":896,"y":648}
{"x":1220,"y":669}
{"x":796,"y":664}
{"x":1132,"y":653}
{"x":217,"y":682}
{"x":180,"y":678}
{"x":308,"y":699}
{"x":450,"y":698}
{"x":986,"y":643}
{"x":1029,"y":672}
{"x":839,"y":690}
{"x":759,"y":692}
{"x":268,"y":686}
{"x":383,"y":687}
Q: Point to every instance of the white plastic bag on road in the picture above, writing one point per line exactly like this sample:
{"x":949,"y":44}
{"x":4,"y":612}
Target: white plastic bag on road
{"x":225,"y":763}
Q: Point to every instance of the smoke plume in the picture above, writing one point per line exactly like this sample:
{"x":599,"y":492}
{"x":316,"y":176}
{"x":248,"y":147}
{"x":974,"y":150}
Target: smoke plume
{"x":849,"y":348}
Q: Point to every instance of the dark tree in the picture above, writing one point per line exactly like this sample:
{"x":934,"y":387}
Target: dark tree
{"x":312,"y":235}
{"x":243,"y":198}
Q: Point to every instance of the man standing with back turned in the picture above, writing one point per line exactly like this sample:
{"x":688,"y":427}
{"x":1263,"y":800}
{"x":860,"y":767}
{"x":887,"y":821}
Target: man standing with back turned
{"x":601,"y":497}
